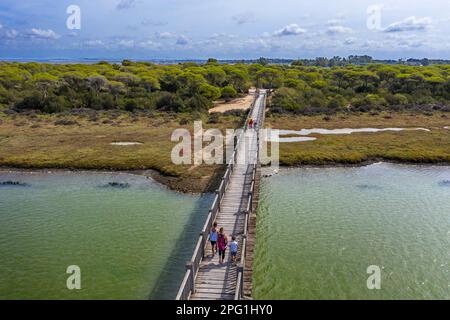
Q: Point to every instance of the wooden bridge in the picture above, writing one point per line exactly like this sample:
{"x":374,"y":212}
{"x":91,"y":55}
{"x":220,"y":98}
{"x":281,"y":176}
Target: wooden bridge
{"x":233,"y":209}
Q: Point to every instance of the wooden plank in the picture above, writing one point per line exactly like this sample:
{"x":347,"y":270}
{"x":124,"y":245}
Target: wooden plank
{"x":220,"y":291}
{"x":213,"y":280}
{"x":228,"y":285}
{"x":214,"y":296}
{"x":229,"y":282}
{"x":224,"y":297}
{"x":215,"y":285}
{"x":212,"y":271}
{"x":217,"y":279}
{"x":215,"y":273}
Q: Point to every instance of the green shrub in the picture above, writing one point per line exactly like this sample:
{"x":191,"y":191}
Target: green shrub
{"x":228,"y":93}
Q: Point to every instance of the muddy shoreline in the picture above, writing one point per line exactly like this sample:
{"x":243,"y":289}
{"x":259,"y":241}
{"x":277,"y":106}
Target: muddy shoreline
{"x":364,"y":163}
{"x":199,"y":186}
{"x":183,"y":185}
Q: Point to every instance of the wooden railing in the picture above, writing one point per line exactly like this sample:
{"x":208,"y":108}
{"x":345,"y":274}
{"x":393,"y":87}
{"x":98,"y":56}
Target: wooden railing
{"x":239,"y":293}
{"x":188,"y":284}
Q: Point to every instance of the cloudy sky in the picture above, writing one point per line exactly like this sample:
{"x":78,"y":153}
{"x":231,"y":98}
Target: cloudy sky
{"x":143,"y":29}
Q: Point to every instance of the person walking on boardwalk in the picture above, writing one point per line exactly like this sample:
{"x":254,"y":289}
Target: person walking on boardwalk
{"x":222,"y":242}
{"x":213,"y":238}
{"x":233,"y":249}
{"x":250,"y":123}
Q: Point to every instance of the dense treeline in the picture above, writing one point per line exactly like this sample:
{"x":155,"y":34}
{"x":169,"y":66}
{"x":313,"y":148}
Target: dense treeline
{"x":188,"y":87}
{"x":337,"y":61}
{"x":363,"y":88}
{"x":129,"y":86}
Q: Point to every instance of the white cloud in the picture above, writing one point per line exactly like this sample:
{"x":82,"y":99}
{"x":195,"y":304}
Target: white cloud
{"x":370,"y":44}
{"x":165,"y":35}
{"x":243,"y":18}
{"x":148,"y":44}
{"x":410,"y":24}
{"x":333,"y":30}
{"x":126,"y":43}
{"x":257,"y":43}
{"x":125,"y":4}
{"x":182,"y":41}
{"x":334,"y":22}
{"x":11,"y":34}
{"x":210,"y":42}
{"x":43,"y":34}
{"x":350,"y":41}
{"x":1,"y":26}
{"x":94,"y":43}
{"x":152,"y":23}
{"x":445,"y":20}
{"x":222,"y":35}
{"x":289,"y":30}
{"x":410,"y":43}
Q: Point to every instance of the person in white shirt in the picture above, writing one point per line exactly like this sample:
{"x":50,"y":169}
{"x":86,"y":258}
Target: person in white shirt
{"x":233,"y":249}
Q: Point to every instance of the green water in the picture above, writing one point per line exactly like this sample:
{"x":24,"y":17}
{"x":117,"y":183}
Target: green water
{"x":319,"y":229}
{"x":130,"y":243}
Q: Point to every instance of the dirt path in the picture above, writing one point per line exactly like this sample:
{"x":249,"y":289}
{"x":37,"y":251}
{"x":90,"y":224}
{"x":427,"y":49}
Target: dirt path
{"x":242,"y":103}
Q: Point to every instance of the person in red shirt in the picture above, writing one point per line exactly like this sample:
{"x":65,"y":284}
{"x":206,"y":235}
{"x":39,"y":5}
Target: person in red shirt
{"x":222,"y":242}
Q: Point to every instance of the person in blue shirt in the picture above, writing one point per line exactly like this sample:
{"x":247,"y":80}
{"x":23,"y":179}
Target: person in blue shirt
{"x":213,"y":238}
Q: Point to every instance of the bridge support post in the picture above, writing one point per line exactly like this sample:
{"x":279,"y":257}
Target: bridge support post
{"x":203,"y":244}
{"x":219,"y":193}
{"x":240,"y":270}
{"x":190,"y":266}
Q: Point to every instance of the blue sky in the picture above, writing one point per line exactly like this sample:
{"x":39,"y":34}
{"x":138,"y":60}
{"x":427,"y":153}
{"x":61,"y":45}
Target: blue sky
{"x":144,"y":29}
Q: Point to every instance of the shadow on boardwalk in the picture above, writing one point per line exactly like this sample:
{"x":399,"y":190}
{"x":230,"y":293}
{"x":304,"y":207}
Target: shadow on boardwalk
{"x":169,"y":281}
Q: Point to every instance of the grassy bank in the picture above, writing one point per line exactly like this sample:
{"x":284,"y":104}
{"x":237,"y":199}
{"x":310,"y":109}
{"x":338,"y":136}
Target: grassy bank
{"x":356,"y":148}
{"x":84,"y":142}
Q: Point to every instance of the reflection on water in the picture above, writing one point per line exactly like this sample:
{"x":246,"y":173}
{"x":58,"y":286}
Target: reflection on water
{"x":444,"y":183}
{"x":130,"y":239}
{"x":319,"y":229}
{"x":369,"y":187}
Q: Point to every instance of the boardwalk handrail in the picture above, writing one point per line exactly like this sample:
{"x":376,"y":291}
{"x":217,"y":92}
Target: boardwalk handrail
{"x":239,"y":293}
{"x":188,"y":284}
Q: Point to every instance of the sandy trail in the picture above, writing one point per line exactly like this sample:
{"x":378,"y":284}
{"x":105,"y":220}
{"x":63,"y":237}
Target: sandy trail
{"x":242,"y":103}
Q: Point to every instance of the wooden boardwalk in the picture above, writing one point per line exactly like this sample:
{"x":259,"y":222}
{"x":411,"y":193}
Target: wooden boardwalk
{"x":211,"y":280}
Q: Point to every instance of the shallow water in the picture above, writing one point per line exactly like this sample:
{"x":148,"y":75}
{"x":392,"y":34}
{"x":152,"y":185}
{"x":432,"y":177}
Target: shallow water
{"x":130,"y":241}
{"x":307,"y":132}
{"x":125,"y":143}
{"x":319,"y":230}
